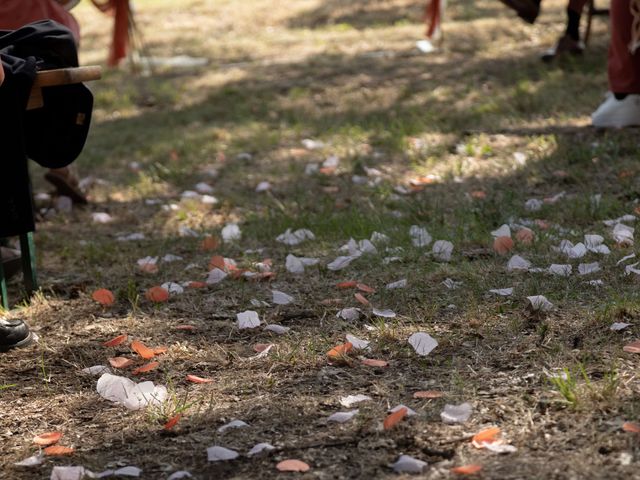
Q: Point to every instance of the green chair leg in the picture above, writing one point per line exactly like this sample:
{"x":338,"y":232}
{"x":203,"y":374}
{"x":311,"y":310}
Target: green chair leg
{"x":28,"y":252}
{"x":3,"y":286}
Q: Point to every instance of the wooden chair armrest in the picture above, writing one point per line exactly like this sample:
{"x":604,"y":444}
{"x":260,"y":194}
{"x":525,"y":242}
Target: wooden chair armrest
{"x":61,"y":76}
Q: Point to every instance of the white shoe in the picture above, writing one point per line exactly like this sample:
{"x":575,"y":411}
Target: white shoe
{"x":617,"y":113}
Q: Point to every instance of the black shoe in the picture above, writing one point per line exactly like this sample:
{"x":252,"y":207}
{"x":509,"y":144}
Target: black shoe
{"x":565,"y":44}
{"x":11,"y":261}
{"x":14,"y":333}
{"x":527,"y":10}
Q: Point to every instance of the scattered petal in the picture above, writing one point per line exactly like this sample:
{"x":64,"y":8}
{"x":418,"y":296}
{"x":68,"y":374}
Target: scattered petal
{"x":518,"y":263}
{"x":231,"y":232}
{"x":442,"y":250}
{"x":407,"y":464}
{"x":179,"y":475}
{"x":370,"y":362}
{"x":196,"y":379}
{"x":349,"y":314}
{"x":248,"y":319}
{"x":69,"y":473}
{"x":502,"y":245}
{"x":560,"y":270}
{"x":342,"y":417}
{"x":422,"y":343}
{"x":631,"y":427}
{"x":292,"y":466}
{"x":32,"y":461}
{"x":428,"y":394}
{"x":172,"y":422}
{"x":173,"y":288}
{"x":219,"y":454}
{"x":351,"y":400}
{"x":120,"y":362}
{"x":467,"y":469}
{"x":126,"y":392}
{"x":383,"y":313}
{"x":147,"y":367}
{"x":281,"y":298}
{"x":399,"y":284}
{"x":503,"y":231}
{"x":104,"y":297}
{"x":525,"y":236}
{"x":295,"y":238}
{"x":539,"y":303}
{"x":232,"y":424}
{"x":456,"y":413}
{"x":587,"y":268}
{"x":340,"y":263}
{"x":617,"y":326}
{"x":95,"y":370}
{"x":157,"y":295}
{"x":48,"y":438}
{"x":142,"y":350}
{"x":394,"y":418}
{"x":361,"y":299}
{"x":279,"y":329}
{"x":503,"y":292}
{"x":259,"y":448}
{"x":357,"y":343}
{"x":58,"y":450}
{"x":633,"y":347}
{"x":340,"y":351}
{"x":114,"y":342}
{"x":419,"y":236}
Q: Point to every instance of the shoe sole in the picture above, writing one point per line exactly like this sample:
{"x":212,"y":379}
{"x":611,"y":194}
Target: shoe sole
{"x":22,"y":343}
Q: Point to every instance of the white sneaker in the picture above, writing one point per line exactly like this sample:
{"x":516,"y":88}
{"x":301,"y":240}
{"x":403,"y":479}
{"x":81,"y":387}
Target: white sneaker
{"x":617,"y":113}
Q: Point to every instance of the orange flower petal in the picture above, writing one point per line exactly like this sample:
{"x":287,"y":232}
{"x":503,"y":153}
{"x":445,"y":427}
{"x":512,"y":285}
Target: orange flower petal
{"x":196,"y":285}
{"x":48,"y":438}
{"x":359,"y":297}
{"x":292,"y":466}
{"x":196,"y":379}
{"x":633,"y":347}
{"x":347,"y":284}
{"x":370,"y":362}
{"x":365,"y":288}
{"x":157,"y":295}
{"x":478,"y":194}
{"x":189,"y":328}
{"x":104,"y":297}
{"x":142,"y":350}
{"x":116,"y":341}
{"x":467,"y":469}
{"x":428,"y":394}
{"x":217,"y":261}
{"x":57,"y":450}
{"x":502,"y":245}
{"x":394,"y":418}
{"x":525,"y":236}
{"x":147,"y":367}
{"x":486,"y":435}
{"x":339,"y":351}
{"x":160,"y":350}
{"x":631,"y":427}
{"x":172,"y":422}
{"x":120,"y":362}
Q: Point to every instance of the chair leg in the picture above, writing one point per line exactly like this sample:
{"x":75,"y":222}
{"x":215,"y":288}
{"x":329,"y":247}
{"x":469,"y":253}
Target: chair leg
{"x":28,"y":251}
{"x":587,"y":31}
{"x":3,"y":286}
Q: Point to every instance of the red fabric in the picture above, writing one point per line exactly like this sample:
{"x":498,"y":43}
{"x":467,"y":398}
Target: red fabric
{"x":121,"y":11}
{"x":16,"y":13}
{"x":623,"y":67}
{"x":432,"y":17}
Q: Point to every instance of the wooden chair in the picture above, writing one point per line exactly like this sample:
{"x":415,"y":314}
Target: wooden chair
{"x":44,"y":79}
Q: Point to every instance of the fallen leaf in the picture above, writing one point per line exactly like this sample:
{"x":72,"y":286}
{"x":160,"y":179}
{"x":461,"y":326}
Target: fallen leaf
{"x":347,"y":284}
{"x":428,"y":394}
{"x":172,"y":422}
{"x":58,"y":450}
{"x":502,"y":245}
{"x":114,"y":342}
{"x":394,"y":418}
{"x":631,"y":427}
{"x":196,"y":379}
{"x":48,"y":438}
{"x":147,"y":367}
{"x":157,"y":295}
{"x":142,"y":350}
{"x":104,"y":297}
{"x":340,"y":351}
{"x":467,"y":469}
{"x":633,"y":347}
{"x":370,"y":362}
{"x":120,"y":362}
{"x":360,"y":298}
{"x":292,"y":466}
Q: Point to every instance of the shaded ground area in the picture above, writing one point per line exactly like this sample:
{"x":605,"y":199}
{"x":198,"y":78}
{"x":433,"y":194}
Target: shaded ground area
{"x":480,"y":128}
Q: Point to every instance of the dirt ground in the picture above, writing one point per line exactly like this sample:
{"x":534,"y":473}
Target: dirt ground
{"x":456,"y":141}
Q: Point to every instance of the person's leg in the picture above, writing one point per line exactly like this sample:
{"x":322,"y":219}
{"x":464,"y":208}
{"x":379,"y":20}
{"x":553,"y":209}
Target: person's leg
{"x":570,"y":41}
{"x":622,"y":107}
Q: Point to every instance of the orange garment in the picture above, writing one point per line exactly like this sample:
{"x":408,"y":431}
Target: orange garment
{"x":121,"y":11}
{"x":17,"y":13}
